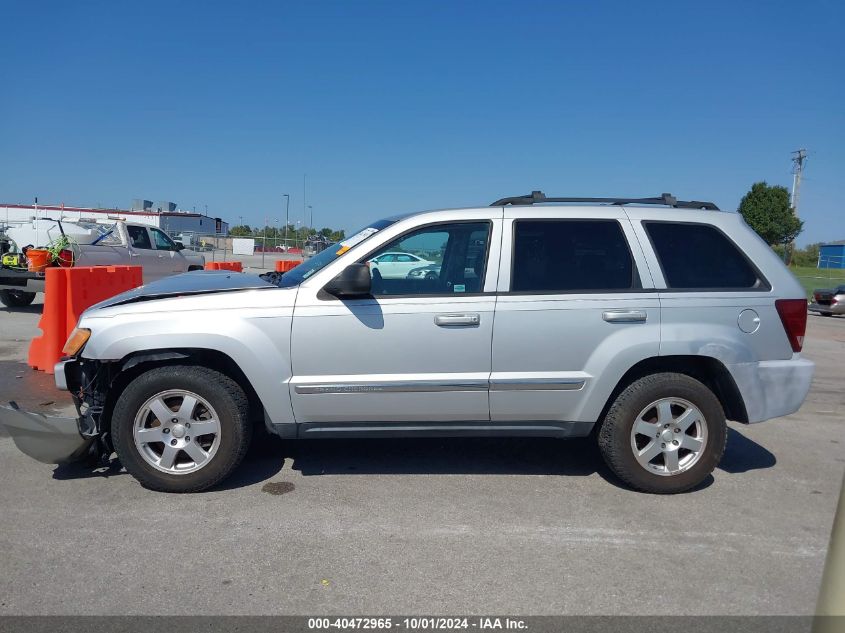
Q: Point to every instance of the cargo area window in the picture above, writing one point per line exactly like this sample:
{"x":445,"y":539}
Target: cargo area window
{"x":699,"y":256}
{"x":570,"y":256}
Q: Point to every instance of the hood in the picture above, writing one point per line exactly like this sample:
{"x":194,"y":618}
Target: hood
{"x":193,"y":283}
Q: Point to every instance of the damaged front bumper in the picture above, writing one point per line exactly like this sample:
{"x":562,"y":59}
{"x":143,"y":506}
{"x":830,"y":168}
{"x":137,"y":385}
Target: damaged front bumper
{"x":48,"y":439}
{"x":58,"y":439}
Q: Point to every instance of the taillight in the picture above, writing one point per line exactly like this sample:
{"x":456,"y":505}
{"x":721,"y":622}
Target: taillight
{"x":793,"y":315}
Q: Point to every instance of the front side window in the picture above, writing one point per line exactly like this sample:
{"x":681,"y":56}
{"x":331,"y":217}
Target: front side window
{"x":700,"y":256}
{"x":570,"y":256}
{"x":139,"y":238}
{"x":438,"y":259}
{"x":162,"y":241}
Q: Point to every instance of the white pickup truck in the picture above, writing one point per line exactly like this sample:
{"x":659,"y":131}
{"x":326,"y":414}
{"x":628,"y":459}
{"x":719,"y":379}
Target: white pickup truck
{"x":92,"y":244}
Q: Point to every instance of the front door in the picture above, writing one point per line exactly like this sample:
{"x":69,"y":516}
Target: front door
{"x":167,"y":250}
{"x":143,"y":253}
{"x":417,"y":349}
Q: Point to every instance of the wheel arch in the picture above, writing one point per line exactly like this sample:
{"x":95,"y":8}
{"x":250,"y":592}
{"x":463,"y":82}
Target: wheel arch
{"x":706,"y":369}
{"x":125,"y":370}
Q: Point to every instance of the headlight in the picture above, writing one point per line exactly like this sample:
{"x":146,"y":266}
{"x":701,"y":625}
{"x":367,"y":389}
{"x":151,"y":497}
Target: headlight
{"x":76,"y":341}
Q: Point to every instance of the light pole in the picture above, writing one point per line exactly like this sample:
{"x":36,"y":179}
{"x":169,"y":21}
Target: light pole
{"x":276,"y":240}
{"x":287,"y":218}
{"x":311,"y":216}
{"x":264,"y":244}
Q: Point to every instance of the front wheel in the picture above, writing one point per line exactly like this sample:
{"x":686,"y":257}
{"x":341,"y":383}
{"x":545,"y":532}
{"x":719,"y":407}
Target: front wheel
{"x":664,"y":433}
{"x":16,"y":298}
{"x":181,"y":428}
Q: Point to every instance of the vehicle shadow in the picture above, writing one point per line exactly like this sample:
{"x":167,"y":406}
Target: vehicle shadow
{"x":88,"y":470}
{"x":34,"y":308}
{"x":578,"y":457}
{"x":743,"y":454}
{"x":445,"y":456}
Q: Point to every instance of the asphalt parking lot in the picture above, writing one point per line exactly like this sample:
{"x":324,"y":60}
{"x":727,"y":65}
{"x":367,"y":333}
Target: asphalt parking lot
{"x":471,"y":526}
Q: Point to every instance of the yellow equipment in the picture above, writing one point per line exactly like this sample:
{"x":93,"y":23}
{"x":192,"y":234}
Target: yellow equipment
{"x":11,"y":260}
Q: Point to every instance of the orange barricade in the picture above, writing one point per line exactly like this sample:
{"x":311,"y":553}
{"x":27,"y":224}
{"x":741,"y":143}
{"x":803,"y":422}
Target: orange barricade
{"x":284,"y":265}
{"x":68,"y":292}
{"x":235,"y":267}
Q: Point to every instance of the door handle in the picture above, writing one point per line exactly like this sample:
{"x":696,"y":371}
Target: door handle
{"x":624,"y":316}
{"x":457,"y":320}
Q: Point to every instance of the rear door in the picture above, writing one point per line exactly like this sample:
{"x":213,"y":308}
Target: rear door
{"x":576,"y":309}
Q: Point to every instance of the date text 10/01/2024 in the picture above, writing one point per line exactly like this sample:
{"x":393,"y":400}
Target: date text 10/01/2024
{"x":417,"y":623}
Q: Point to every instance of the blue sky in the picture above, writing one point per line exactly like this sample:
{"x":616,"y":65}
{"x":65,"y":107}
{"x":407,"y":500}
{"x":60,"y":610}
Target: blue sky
{"x":396,"y":106}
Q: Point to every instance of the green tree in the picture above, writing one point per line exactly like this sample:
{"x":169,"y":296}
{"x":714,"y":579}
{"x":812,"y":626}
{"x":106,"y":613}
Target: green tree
{"x":807,"y":256}
{"x":240,"y":230}
{"x":766,"y":210}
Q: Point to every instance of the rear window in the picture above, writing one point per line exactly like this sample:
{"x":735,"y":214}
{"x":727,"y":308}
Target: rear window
{"x":700,"y":256}
{"x":570,"y":256}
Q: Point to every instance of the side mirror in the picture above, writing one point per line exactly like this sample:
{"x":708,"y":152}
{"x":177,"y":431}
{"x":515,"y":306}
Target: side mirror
{"x":180,"y":246}
{"x":353,"y":281}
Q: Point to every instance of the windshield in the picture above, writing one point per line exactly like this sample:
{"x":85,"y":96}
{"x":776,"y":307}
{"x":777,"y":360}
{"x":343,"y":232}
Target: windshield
{"x":310,"y":266}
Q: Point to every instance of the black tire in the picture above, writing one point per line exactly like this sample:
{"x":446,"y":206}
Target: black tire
{"x":16,"y":298}
{"x":614,"y":436}
{"x":830,"y":314}
{"x":220,"y":391}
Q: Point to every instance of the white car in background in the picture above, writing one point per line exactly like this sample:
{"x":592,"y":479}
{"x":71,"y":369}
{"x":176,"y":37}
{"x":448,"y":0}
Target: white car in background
{"x":397,"y":265}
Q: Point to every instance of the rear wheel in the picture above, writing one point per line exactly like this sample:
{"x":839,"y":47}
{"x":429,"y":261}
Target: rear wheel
{"x":181,"y":428}
{"x":830,"y":314}
{"x":16,"y":298}
{"x":664,"y":433}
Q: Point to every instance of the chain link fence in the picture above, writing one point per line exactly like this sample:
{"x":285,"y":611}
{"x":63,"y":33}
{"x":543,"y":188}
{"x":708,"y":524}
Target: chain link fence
{"x":219,"y":248}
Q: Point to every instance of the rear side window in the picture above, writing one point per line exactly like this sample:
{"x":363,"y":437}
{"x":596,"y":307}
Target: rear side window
{"x":700,"y":256}
{"x":139,"y":237}
{"x":571,"y":256}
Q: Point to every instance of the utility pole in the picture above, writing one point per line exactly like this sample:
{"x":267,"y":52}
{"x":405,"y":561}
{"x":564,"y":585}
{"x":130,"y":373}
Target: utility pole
{"x":264,"y":243}
{"x":799,"y":157}
{"x":287,"y":218}
{"x":304,"y":196}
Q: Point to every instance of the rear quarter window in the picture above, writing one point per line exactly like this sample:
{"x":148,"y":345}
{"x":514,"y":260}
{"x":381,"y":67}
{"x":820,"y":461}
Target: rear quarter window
{"x":700,"y":256}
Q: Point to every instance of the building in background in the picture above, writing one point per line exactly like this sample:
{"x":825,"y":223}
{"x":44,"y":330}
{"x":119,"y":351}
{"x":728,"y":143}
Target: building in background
{"x":832,"y":255}
{"x":163,"y":215}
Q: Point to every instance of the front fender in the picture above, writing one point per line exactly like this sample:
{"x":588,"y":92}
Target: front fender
{"x":258,"y":341}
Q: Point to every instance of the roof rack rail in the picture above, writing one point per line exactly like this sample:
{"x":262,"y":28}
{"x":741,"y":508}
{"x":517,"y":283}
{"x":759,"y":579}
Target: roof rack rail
{"x":667,"y":199}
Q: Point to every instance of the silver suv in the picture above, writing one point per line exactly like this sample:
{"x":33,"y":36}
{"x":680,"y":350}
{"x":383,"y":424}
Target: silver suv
{"x":643,"y":322}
